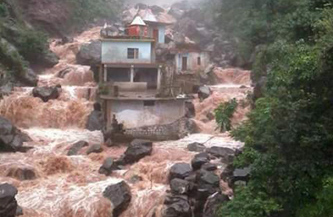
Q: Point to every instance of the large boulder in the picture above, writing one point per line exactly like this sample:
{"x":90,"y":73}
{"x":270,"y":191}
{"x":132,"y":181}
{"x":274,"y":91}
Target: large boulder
{"x":11,"y":138}
{"x":108,"y":166}
{"x":97,"y":148}
{"x":46,"y":93}
{"x":180,"y":170}
{"x":137,"y":150}
{"x":95,"y":119}
{"x":89,"y":54}
{"x":199,"y":160}
{"x":8,"y":203}
{"x":226,"y":154}
{"x":49,"y":59}
{"x":176,"y":206}
{"x":196,"y":147}
{"x":76,"y":147}
{"x":213,"y":204}
{"x":179,"y":186}
{"x":22,"y":173}
{"x":204,"y":92}
{"x":208,"y":183}
{"x":120,"y":196}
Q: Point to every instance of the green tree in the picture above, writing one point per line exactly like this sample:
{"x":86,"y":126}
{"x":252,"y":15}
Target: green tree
{"x":224,"y":113}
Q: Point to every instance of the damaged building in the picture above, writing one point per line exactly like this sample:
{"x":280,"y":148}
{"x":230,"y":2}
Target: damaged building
{"x":138,"y":90}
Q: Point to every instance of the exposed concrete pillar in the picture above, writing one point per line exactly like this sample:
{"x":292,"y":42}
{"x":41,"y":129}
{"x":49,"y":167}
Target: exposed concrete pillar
{"x":105,"y":73}
{"x":159,"y":77}
{"x":100,"y":73}
{"x":132,"y":74}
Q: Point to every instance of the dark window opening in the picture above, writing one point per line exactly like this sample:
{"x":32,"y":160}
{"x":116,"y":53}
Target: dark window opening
{"x":119,"y":74}
{"x":184,"y":63}
{"x":146,"y":75}
{"x":133,"y":53}
{"x":199,"y":61}
{"x":149,"y":103}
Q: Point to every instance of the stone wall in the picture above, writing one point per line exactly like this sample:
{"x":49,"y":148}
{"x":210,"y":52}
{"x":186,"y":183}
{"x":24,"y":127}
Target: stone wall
{"x":173,"y":131}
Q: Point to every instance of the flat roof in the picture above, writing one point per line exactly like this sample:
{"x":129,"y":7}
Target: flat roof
{"x":128,"y":38}
{"x":135,"y":65}
{"x":106,"y":97}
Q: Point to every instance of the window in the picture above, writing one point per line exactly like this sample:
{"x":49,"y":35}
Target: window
{"x":132,"y":53}
{"x":149,"y":103}
{"x":199,"y":61}
{"x":184,"y":63}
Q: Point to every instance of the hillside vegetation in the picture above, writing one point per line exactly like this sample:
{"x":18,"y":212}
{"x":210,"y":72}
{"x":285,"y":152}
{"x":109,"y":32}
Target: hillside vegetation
{"x":289,"y":134}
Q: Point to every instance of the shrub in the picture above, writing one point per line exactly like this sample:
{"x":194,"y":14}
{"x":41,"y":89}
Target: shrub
{"x":224,"y":113}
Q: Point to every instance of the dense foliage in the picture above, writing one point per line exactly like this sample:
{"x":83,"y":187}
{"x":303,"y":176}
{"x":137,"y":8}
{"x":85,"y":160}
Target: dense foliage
{"x":224,"y":113}
{"x":289,"y":134}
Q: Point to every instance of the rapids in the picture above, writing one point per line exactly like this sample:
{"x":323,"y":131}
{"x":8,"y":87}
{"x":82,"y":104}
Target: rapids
{"x":66,"y":186}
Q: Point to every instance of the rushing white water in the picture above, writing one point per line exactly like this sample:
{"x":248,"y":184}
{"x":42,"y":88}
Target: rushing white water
{"x":68,"y":186}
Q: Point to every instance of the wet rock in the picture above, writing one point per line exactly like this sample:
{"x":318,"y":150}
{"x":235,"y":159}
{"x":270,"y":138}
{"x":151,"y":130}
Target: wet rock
{"x":204,"y":92}
{"x":176,"y":206}
{"x":191,"y":127}
{"x":97,"y":148}
{"x":227,"y":172}
{"x":208,"y":182}
{"x":137,"y":150}
{"x":141,"y":6}
{"x":226,"y":154}
{"x":22,"y":174}
{"x":29,"y":77}
{"x":190,"y":109}
{"x":89,"y":54}
{"x":196,"y":147}
{"x":209,"y":167}
{"x":11,"y":138}
{"x":199,"y":160}
{"x":19,"y":211}
{"x":8,"y":203}
{"x":241,"y":175}
{"x":95,"y":119}
{"x":179,"y":186}
{"x":48,"y":59}
{"x":108,"y":166}
{"x":135,"y":179}
{"x":74,"y":150}
{"x":180,"y":170}
{"x":46,"y":93}
{"x":213,"y":204}
{"x":120,"y":196}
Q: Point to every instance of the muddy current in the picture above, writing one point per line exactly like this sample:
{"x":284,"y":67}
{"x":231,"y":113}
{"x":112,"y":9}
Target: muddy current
{"x":68,"y":186}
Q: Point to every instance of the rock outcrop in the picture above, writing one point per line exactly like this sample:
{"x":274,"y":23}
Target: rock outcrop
{"x":8,"y":203}
{"x":11,"y":138}
{"x":46,"y":93}
{"x":89,"y":54}
{"x":137,"y":150}
{"x":76,"y":147}
{"x":95,"y":119}
{"x":120,"y":196}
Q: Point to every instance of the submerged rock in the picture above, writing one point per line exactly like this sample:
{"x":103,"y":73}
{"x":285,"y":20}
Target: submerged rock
{"x":22,"y":174}
{"x":97,"y":148}
{"x":8,"y":203}
{"x":196,"y":147}
{"x":204,"y":92}
{"x":120,"y":196}
{"x":11,"y":138}
{"x":108,"y":166}
{"x":136,"y":150}
{"x":46,"y":93}
{"x":76,"y":147}
{"x":180,"y":170}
